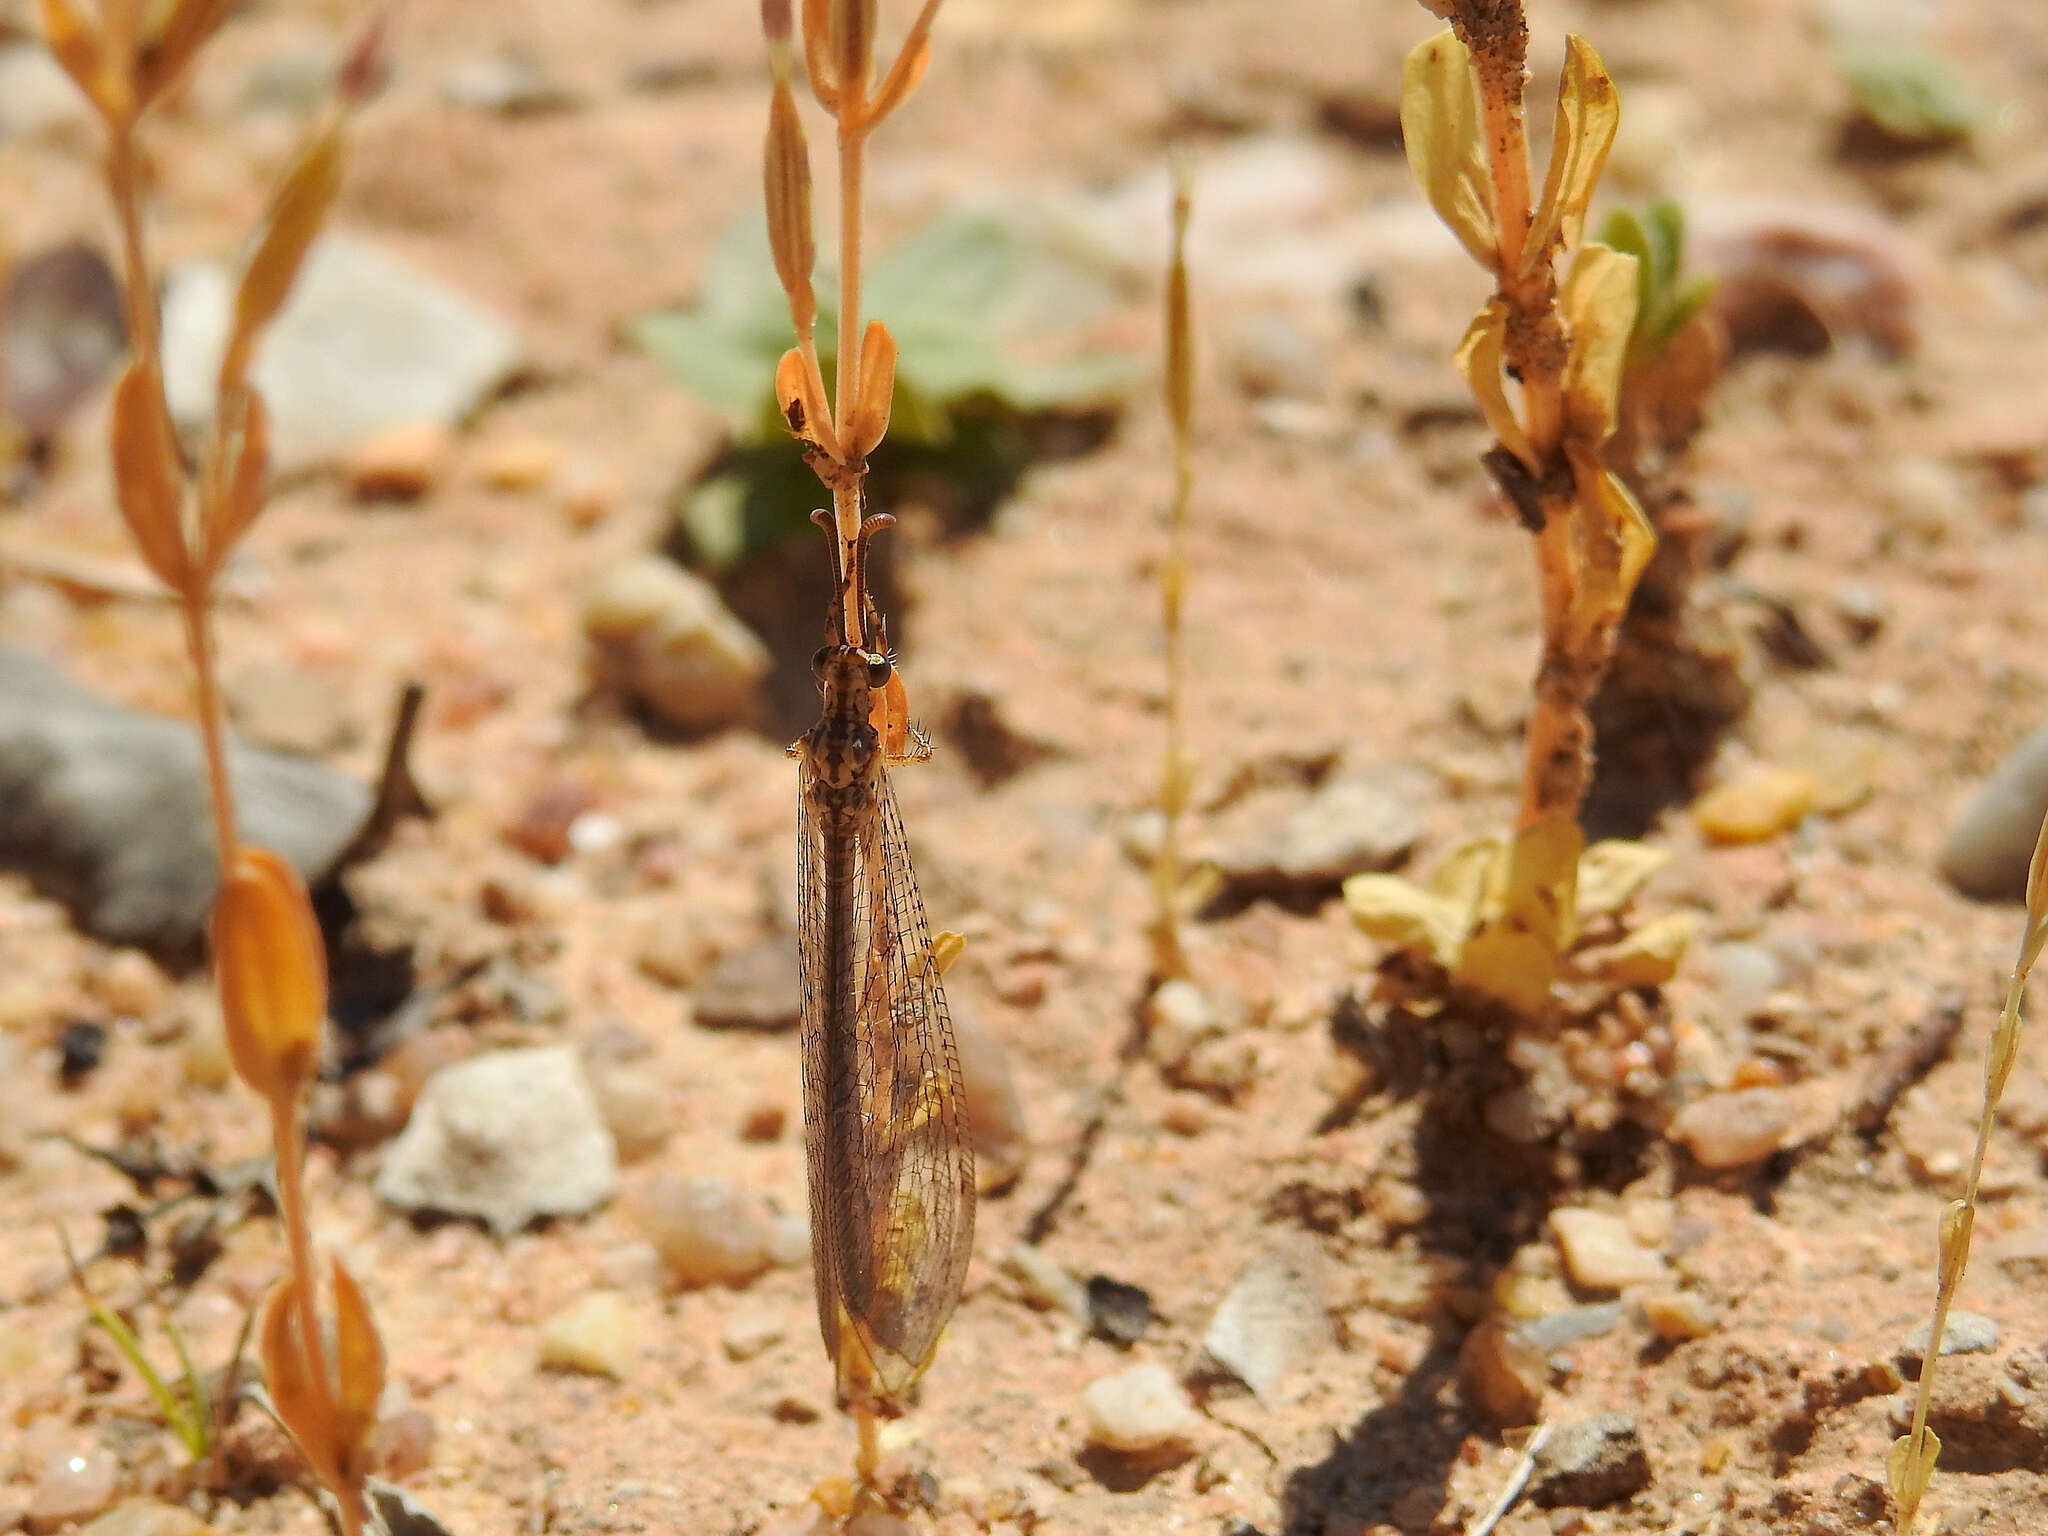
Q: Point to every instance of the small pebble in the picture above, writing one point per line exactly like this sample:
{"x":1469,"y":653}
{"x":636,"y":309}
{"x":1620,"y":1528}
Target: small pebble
{"x":80,"y":1049}
{"x":1503,"y":1375}
{"x":764,"y":1121}
{"x":789,"y":1240}
{"x":73,"y":1486}
{"x":130,"y":984}
{"x":596,"y":1335}
{"x":1118,"y":1312}
{"x":753,"y":988}
{"x":749,"y":1333}
{"x":1677,"y":1316}
{"x":1595,"y":1462}
{"x":1140,"y":1410}
{"x":1573,"y":1326}
{"x":665,"y":639}
{"x":401,"y":464}
{"x":519,"y":463}
{"x":637,"y":1110}
{"x":1927,"y":498}
{"x":1862,"y":610}
{"x":1270,"y":1321}
{"x":1964,"y":1333}
{"x":1600,"y":1253}
{"x":634,"y":1266}
{"x":707,"y":1231}
{"x":403,"y":1445}
{"x":1992,"y":842}
{"x":1755,"y":805}
{"x":1733,"y":1130}
{"x":204,"y":1058}
{"x":1745,"y":975}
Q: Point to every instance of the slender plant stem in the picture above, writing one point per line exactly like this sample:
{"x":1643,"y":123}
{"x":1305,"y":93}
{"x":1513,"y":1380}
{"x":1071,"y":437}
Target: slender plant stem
{"x":846,"y":491}
{"x":124,"y":188}
{"x":286,"y":1134}
{"x":212,"y":733}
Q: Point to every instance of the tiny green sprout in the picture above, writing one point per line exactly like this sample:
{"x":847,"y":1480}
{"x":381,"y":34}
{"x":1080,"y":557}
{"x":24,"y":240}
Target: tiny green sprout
{"x":184,"y":1407}
{"x":1910,"y":95}
{"x":1667,"y":298}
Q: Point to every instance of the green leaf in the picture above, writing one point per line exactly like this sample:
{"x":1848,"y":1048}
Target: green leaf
{"x":1909,"y":94}
{"x":1666,"y":300}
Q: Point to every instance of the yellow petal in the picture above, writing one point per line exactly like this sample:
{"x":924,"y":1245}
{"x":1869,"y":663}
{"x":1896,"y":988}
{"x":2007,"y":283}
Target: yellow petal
{"x":1588,"y":112}
{"x":1440,"y":129}
{"x":1599,"y":303}
{"x":1479,"y":360}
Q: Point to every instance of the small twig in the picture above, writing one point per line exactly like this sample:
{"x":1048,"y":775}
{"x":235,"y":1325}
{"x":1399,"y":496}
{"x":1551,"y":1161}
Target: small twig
{"x":1905,"y":1063}
{"x":1518,"y":1479}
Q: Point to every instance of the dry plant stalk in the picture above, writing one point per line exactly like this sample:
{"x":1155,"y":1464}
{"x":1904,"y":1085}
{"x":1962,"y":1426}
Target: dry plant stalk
{"x":891,"y":1177}
{"x":269,"y":962}
{"x":1913,"y":1454}
{"x":1563,"y":342}
{"x":1169,"y":956}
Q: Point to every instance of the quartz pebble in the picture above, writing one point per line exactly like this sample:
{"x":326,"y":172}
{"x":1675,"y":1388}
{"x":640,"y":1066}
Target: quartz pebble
{"x":665,"y":639}
{"x":1733,"y":1130}
{"x":634,"y":1266}
{"x":1755,"y":805}
{"x":1143,"y":1409}
{"x":596,"y":1335}
{"x":1600,"y":1253}
{"x":789,"y":1240}
{"x":73,"y":1486}
{"x":1992,"y":843}
{"x":637,"y":1110}
{"x":707,"y":1231}
{"x":402,"y":463}
{"x":1047,"y":1285}
{"x":1271,"y":1320}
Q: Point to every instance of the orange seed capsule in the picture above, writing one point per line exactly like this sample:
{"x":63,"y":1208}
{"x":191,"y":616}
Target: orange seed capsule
{"x":272,"y":973}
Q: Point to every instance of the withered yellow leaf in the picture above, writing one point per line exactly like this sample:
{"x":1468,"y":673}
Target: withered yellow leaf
{"x":1599,"y":303}
{"x":1402,"y":915}
{"x":1446,"y":152}
{"x":1479,"y":360}
{"x":1649,"y":956}
{"x":869,"y":418}
{"x":1613,"y":537}
{"x":786,"y":175}
{"x":1612,"y":871}
{"x":358,"y":1369}
{"x":908,"y":70}
{"x":241,"y":459}
{"x":1911,"y":1466}
{"x":1530,"y":920}
{"x":1588,"y":112}
{"x":76,"y":47}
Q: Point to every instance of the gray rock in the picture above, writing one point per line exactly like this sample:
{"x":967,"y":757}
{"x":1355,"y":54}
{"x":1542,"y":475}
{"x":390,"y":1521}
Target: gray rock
{"x":365,"y":343}
{"x":1964,"y":1333}
{"x":105,"y":809}
{"x":1987,"y":852}
{"x":506,"y":1138}
{"x":1270,"y":1320}
{"x":752,"y":988}
{"x":1353,"y":823}
{"x":1595,"y":1462}
{"x":1572,"y":1326}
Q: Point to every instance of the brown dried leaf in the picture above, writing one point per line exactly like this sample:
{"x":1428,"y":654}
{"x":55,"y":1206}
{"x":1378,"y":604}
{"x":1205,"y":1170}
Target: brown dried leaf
{"x":359,"y":1370}
{"x":241,"y":459}
{"x":1588,"y":112}
{"x":297,"y":211}
{"x":850,"y":32}
{"x":869,"y":418}
{"x":272,"y":973}
{"x":301,"y":1400}
{"x":163,"y":57}
{"x":1180,"y":380}
{"x":145,"y":459}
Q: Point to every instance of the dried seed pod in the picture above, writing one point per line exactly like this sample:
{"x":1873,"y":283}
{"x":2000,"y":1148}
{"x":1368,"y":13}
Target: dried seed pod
{"x":145,"y":466}
{"x":787,"y":181}
{"x":869,"y":418}
{"x":359,"y":1372}
{"x":297,"y":211}
{"x":163,"y":56}
{"x":240,"y":459}
{"x":301,"y":1399}
{"x":272,"y":973}
{"x":850,"y":31}
{"x":77,"y":47}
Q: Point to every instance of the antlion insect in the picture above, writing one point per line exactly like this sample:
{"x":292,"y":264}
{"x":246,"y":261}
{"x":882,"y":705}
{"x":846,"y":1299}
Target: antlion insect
{"x":892,"y":1180}
{"x":891,"y":1176}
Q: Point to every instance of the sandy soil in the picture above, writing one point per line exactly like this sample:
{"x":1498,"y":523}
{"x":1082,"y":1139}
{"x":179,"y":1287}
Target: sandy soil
{"x":1353,"y":593}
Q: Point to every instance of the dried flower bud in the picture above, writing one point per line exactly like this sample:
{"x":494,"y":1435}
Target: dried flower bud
{"x":817,"y":23}
{"x":852,"y":43}
{"x":301,"y":1399}
{"x":359,"y":1373}
{"x":869,"y":418}
{"x":162,"y":57}
{"x":787,"y":181}
{"x":272,"y":973}
{"x":1180,"y":388}
{"x":145,"y":466}
{"x":365,"y":64}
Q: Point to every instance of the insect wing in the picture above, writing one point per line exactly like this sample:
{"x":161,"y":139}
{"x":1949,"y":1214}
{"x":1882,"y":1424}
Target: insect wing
{"x":892,"y":1178}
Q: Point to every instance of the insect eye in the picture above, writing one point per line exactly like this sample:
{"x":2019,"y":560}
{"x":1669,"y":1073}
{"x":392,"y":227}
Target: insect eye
{"x":879,"y":671}
{"x":819,"y":657}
